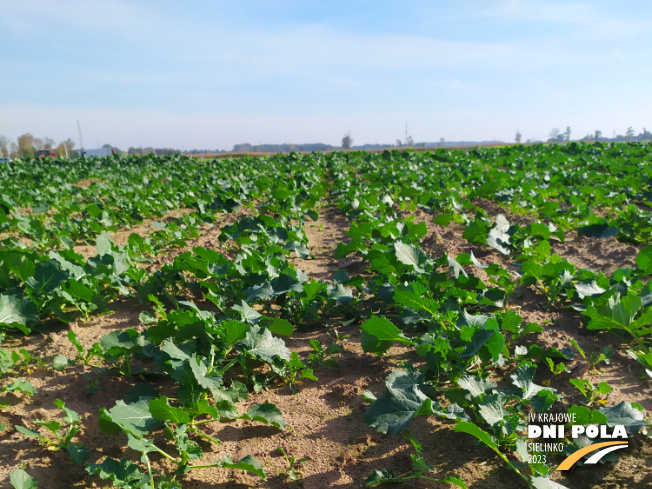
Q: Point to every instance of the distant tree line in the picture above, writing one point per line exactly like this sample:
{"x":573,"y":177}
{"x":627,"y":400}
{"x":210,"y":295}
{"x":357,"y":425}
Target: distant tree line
{"x":555,"y":136}
{"x":630,"y":135}
{"x":281,"y":148}
{"x":27,"y":146}
{"x":157,"y":151}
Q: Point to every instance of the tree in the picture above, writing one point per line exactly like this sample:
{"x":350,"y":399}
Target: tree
{"x":554,"y":134}
{"x":347,"y":141}
{"x":409,"y":141}
{"x":65,"y":148}
{"x":629,"y":134}
{"x":4,"y":145}
{"x":442,"y":142}
{"x":598,"y":135}
{"x":48,"y":143}
{"x":26,"y":144}
{"x":38,"y":144}
{"x":567,"y":133}
{"x":518,"y":137}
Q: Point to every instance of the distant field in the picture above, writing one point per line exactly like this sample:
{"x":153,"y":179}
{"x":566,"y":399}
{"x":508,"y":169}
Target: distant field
{"x":389,"y":148}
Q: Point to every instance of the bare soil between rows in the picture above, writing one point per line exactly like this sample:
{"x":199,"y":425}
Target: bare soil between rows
{"x":324,"y":418}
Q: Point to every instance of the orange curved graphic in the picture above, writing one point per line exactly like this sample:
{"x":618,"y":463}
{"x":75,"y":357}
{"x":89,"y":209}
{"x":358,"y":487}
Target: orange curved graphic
{"x":574,"y":457}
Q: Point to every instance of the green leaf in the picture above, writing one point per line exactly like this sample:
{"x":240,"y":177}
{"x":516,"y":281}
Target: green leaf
{"x":492,"y":408}
{"x":133,"y":418}
{"x":476,"y":385}
{"x":340,"y":294}
{"x":247,"y":313}
{"x":79,"y":290}
{"x":443,"y":219}
{"x":619,"y":313}
{"x":78,"y":453}
{"x":22,"y":480}
{"x":123,"y":473}
{"x":480,"y":338}
{"x":545,"y":483}
{"x":203,"y":407}
{"x":72,"y":337}
{"x":281,"y":193}
{"x":53,"y":425}
{"x":121,"y":342}
{"x":644,"y":260}
{"x":142,"y":445}
{"x":22,"y":386}
{"x":284,"y":284}
{"x":248,"y":463}
{"x":200,"y":369}
{"x":381,"y":476}
{"x":538,"y":353}
{"x":71,"y":416}
{"x":523,"y":376}
{"x":60,"y":362}
{"x":584,"y":415}
{"x":378,"y":334}
{"x":472,"y":429}
{"x":160,"y":409}
{"x":27,"y":432}
{"x":455,"y":267}
{"x":344,"y":249}
{"x":395,"y":410}
{"x":261,"y":292}
{"x":510,"y":321}
{"x":410,"y":255}
{"x":476,"y":231}
{"x":266,"y":413}
{"x":626,"y":415}
{"x":279,"y":326}
{"x":588,"y":289}
{"x":414,"y":296}
{"x":47,"y":277}
{"x":492,"y":349}
{"x":498,"y":237}
{"x":368,"y":396}
{"x":103,"y":243}
{"x":260,"y":343}
{"x":18,"y":312}
{"x":233,"y":331}
{"x":455,"y":480}
{"x":598,"y":230}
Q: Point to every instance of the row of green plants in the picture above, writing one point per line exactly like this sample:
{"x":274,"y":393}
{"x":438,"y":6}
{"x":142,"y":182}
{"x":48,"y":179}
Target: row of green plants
{"x":464,"y":331}
{"x":201,"y":363}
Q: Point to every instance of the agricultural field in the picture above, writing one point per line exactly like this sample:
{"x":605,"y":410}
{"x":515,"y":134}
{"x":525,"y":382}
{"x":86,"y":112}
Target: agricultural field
{"x":326,"y":320}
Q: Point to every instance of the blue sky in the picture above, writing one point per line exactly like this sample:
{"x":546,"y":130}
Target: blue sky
{"x":210,"y":74}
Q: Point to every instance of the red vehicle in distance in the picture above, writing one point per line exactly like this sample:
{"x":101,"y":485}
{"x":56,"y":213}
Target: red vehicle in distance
{"x":45,"y":153}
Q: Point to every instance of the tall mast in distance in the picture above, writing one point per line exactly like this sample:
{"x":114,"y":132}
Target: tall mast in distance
{"x":81,"y":141}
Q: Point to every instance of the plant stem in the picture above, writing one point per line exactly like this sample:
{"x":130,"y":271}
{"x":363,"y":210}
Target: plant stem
{"x":501,"y":455}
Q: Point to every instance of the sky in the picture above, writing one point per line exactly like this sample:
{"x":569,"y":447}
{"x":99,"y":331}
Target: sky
{"x":214,"y":73}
